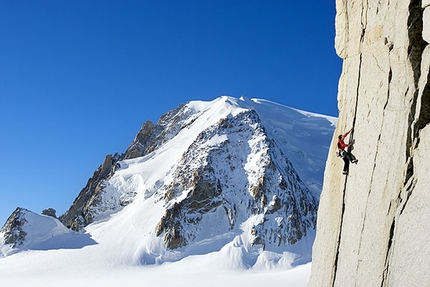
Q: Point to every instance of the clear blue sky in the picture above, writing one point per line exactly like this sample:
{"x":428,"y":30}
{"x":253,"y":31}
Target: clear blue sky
{"x":78,"y":78}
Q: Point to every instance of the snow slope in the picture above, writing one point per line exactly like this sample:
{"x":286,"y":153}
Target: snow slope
{"x":122,"y":245}
{"x":100,"y":264}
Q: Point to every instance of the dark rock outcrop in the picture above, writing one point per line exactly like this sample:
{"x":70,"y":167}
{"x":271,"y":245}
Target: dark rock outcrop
{"x":14,"y":235}
{"x":50,"y":212}
{"x":79,"y":214}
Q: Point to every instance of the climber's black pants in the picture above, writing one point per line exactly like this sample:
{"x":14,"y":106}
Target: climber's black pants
{"x":347,"y":158}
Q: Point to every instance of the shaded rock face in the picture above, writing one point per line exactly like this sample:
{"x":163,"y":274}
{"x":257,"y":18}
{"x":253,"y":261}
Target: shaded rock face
{"x":79,"y":214}
{"x":13,"y":234}
{"x":140,"y":144}
{"x":50,"y":212}
{"x":151,"y":136}
{"x":221,"y":180}
{"x":371,"y":228}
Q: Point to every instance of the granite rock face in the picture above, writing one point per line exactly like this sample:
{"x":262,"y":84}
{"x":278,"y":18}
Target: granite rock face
{"x":372,"y":225}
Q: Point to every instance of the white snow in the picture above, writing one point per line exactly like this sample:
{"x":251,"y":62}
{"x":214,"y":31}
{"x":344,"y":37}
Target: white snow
{"x":110,"y":261}
{"x":121,"y":249}
{"x":60,"y":268}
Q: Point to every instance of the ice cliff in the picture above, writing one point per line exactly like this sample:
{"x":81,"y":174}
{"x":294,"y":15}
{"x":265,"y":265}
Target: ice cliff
{"x":372,"y":227}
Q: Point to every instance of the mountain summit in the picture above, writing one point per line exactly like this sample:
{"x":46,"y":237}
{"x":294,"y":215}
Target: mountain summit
{"x":231,"y":174}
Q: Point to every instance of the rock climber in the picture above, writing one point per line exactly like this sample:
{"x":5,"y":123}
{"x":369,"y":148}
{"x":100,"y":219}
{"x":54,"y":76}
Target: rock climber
{"x":346,"y":155}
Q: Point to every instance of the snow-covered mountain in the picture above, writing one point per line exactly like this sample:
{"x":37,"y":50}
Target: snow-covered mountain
{"x":235,"y":178}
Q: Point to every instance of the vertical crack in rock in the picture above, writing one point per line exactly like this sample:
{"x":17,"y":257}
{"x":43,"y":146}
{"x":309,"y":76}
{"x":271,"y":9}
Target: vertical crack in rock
{"x":390,"y":76}
{"x":408,"y":189}
{"x":364,"y":9}
{"x":363,"y":32}
{"x":367,"y":204}
{"x":336,"y":260}
{"x":356,"y":98}
{"x":387,"y":263}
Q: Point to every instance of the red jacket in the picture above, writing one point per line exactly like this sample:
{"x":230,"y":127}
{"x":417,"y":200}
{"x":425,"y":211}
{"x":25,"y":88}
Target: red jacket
{"x":341,"y":144}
